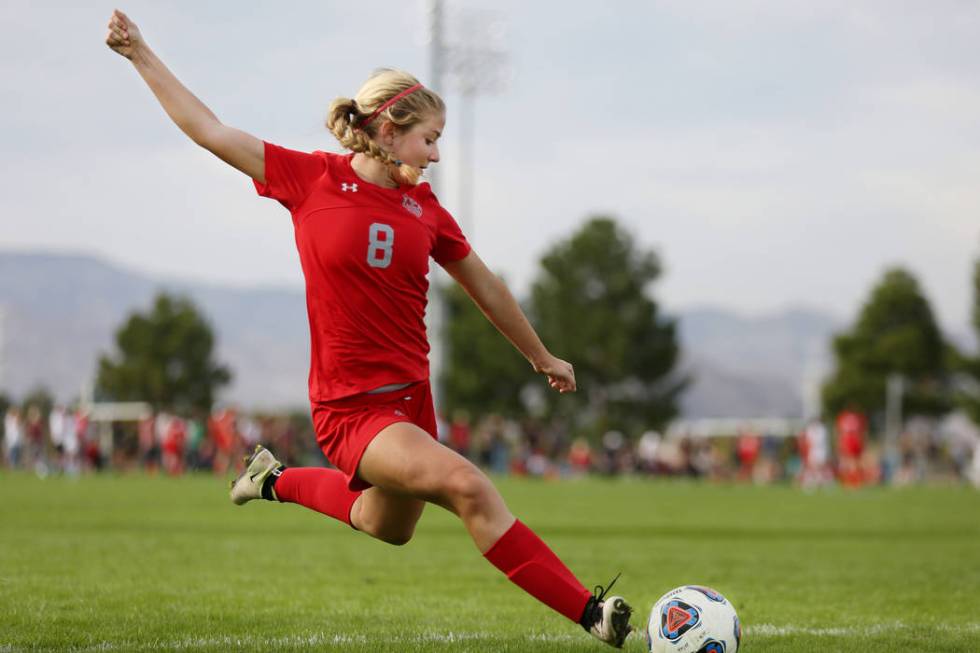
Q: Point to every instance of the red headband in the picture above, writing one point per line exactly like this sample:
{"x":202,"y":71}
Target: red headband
{"x":377,"y":112}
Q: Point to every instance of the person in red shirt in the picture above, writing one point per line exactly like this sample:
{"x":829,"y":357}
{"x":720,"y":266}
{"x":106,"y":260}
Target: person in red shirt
{"x":747,"y":449}
{"x":221,"y":430}
{"x":172,"y":447}
{"x":365,"y":230}
{"x":852,"y":427}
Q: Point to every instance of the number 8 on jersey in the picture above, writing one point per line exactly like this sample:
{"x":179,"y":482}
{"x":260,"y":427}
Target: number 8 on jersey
{"x":381,"y":238}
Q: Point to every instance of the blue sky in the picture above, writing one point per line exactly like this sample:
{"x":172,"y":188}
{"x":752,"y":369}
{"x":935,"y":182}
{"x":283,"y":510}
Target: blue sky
{"x":774,"y":153}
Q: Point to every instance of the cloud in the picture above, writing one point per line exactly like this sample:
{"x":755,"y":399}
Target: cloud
{"x":773,"y":152}
{"x":173,"y":211}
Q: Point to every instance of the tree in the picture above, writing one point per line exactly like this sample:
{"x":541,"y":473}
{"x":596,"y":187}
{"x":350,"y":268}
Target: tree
{"x":895,"y":333}
{"x":39,"y":397}
{"x":164,"y":357}
{"x":484,"y":373}
{"x":591,"y":304}
{"x":969,"y":366}
{"x":5,"y":403}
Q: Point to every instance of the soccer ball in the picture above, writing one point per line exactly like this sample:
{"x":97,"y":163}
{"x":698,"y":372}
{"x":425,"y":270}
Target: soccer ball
{"x":693,"y":619}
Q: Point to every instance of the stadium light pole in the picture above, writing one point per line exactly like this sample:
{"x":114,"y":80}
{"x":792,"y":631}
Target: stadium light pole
{"x":894,"y":395}
{"x":434,"y":15}
{"x":478,"y":65}
{"x":436,"y":312}
{"x":3,"y":348}
{"x":473,"y":63}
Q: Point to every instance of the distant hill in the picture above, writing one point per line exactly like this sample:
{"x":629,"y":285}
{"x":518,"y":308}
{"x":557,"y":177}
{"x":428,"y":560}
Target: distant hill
{"x":61,"y":310}
{"x":747,"y":367}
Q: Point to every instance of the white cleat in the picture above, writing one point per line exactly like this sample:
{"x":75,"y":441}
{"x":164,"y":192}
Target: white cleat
{"x":258,"y":467}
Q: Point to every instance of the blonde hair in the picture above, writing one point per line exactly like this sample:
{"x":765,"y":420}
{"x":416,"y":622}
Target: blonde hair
{"x":346,"y":117}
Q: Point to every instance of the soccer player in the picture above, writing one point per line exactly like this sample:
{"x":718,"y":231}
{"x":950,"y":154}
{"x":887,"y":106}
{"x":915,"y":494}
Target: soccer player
{"x":365,"y":230}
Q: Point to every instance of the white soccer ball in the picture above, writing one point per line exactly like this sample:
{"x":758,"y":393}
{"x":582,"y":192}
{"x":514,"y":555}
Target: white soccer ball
{"x":693,"y":619}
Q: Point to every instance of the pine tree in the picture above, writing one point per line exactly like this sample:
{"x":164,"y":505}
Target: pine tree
{"x":164,"y":357}
{"x":895,"y":333}
{"x":592,"y":305}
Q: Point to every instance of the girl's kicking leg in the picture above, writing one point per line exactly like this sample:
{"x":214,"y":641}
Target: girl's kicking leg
{"x":407,"y":467}
{"x":387,"y":516}
{"x":405,"y":460}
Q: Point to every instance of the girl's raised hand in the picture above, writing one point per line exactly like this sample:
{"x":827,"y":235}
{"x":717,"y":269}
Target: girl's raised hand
{"x":124,"y":36}
{"x":561,"y":375}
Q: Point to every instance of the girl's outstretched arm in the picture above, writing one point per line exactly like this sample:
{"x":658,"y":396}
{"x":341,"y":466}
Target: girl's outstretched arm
{"x":233,"y":146}
{"x":491,"y":295}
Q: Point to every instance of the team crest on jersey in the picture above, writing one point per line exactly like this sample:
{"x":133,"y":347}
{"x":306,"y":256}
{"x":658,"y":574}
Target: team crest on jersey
{"x":676,"y":618}
{"x":712,"y":646}
{"x":411,"y":206}
{"x":707,"y":591}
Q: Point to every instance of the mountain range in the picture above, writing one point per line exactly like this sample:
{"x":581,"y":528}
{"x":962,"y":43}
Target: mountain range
{"x":58,"y":312}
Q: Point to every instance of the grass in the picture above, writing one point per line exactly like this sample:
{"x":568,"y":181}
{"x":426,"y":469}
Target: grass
{"x":133,"y":563}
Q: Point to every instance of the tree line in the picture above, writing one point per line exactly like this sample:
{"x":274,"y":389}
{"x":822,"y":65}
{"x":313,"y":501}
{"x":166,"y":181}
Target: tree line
{"x":591,"y":301}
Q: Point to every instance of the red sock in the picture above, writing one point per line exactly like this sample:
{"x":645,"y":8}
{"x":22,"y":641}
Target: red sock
{"x":530,"y":564}
{"x":317,"y":488}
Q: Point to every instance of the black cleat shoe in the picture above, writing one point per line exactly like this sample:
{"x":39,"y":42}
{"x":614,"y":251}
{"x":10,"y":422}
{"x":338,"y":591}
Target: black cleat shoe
{"x":607,"y":619}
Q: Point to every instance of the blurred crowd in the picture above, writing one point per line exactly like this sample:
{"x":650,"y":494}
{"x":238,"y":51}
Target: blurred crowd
{"x":37,"y":441}
{"x":818,"y":454}
{"x":67,"y":440}
{"x":70,"y":441}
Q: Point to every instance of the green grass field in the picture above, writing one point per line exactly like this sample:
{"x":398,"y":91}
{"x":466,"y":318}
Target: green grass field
{"x":130,"y":563}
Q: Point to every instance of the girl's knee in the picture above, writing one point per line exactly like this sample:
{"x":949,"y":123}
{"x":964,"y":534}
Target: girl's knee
{"x":466,"y":486}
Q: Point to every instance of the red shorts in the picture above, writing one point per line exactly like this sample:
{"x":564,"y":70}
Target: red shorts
{"x":345,"y":427}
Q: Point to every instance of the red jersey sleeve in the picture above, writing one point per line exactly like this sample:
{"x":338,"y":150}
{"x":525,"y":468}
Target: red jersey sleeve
{"x":451,"y":245}
{"x":289,"y":175}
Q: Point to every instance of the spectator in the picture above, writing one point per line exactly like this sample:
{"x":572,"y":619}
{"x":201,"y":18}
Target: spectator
{"x":36,"y":449}
{"x":580,"y":456}
{"x":612,"y":445}
{"x":647,"y":452}
{"x":161,"y":426}
{"x":704,"y":458}
{"x":747,"y":450}
{"x":56,"y":431}
{"x":459,"y":433}
{"x":249,"y":431}
{"x":851,"y":430}
{"x":221,"y":430}
{"x":13,"y":442}
{"x":87,"y":442}
{"x":70,"y":444}
{"x":172,"y":446}
{"x":149,"y":452}
{"x":194,"y":452}
{"x":814,"y":455}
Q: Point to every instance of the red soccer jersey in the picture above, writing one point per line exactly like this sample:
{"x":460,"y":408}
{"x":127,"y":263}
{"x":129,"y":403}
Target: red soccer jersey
{"x":365,"y":254}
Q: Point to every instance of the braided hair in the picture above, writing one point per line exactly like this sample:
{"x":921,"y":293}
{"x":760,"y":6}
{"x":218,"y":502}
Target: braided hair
{"x":350,"y":119}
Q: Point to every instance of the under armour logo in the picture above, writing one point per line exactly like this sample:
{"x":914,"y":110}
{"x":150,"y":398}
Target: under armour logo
{"x":348,"y":187}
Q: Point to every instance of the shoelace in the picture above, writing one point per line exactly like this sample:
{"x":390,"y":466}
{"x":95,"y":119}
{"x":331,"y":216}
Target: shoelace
{"x":599,"y":592}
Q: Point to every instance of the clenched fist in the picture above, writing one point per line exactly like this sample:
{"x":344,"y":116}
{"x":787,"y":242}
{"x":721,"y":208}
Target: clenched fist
{"x":124,"y":36}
